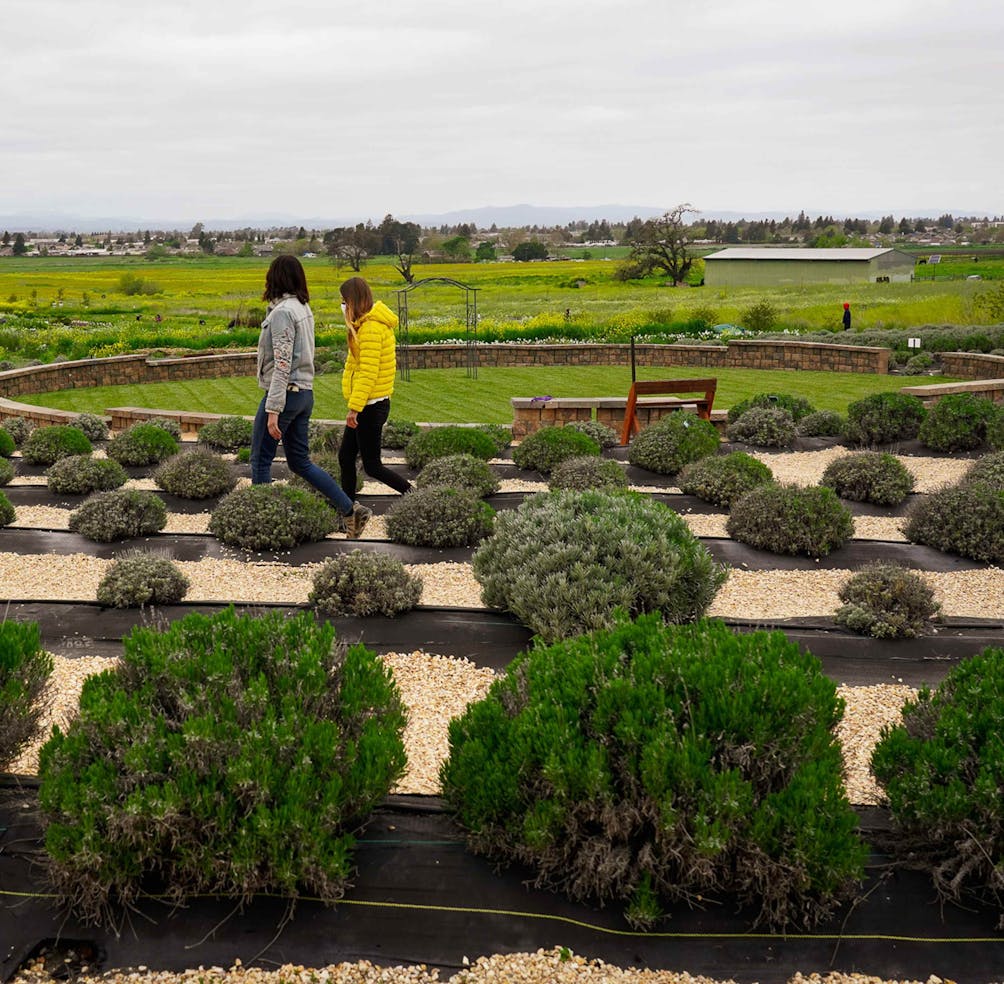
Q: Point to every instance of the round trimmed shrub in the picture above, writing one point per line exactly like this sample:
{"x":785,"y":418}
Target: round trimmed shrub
{"x":500,"y":434}
{"x":547,"y":447}
{"x":723,"y":478}
{"x":440,"y":442}
{"x":564,"y":561}
{"x":226,"y":433}
{"x":169,"y":424}
{"x":119,"y":515}
{"x":797,"y":406}
{"x":196,"y":474}
{"x":918,"y":364}
{"x":6,"y":471}
{"x":995,"y":431}
{"x":80,"y":474}
{"x":7,"y":513}
{"x":940,"y":771}
{"x":588,"y":472}
{"x":460,"y":471}
{"x":672,"y":442}
{"x":605,"y":437}
{"x":988,"y":470}
{"x":883,"y":418}
{"x":243,"y":455}
{"x":439,"y":517}
{"x":886,"y":601}
{"x":869,"y":476}
{"x":958,"y":422}
{"x":323,"y":438}
{"x":648,"y":765}
{"x":822,"y":423}
{"x":967,"y":520}
{"x":764,"y":427}
{"x":46,"y":445}
{"x":139,"y":578}
{"x":142,"y":444}
{"x":397,"y":433}
{"x":6,"y":444}
{"x":93,"y":425}
{"x":25,"y":669}
{"x":18,"y":428}
{"x":791,"y":519}
{"x":270,"y":745}
{"x":364,"y":583}
{"x":271,"y":517}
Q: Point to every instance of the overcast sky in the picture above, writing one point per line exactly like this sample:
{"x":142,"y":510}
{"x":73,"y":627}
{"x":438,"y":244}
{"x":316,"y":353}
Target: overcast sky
{"x":190,"y":109}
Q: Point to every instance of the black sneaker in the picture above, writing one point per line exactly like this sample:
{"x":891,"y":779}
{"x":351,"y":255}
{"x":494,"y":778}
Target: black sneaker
{"x":356,"y":521}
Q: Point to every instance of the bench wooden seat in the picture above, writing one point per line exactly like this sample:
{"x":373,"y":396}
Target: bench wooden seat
{"x":663,"y":387}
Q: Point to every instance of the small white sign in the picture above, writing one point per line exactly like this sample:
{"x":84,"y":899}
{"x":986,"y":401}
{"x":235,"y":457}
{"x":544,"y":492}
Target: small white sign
{"x":913,"y":343}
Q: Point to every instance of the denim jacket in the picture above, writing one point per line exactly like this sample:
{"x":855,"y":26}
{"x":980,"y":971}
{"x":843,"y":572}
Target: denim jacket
{"x":285,"y":350}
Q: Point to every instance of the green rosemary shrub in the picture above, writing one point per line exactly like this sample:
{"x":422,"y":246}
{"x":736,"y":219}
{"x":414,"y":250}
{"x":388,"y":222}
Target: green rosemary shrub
{"x":995,"y":432}
{"x":958,"y":422}
{"x":226,"y":755}
{"x":797,"y":406}
{"x":94,"y":426}
{"x":119,"y":515}
{"x":962,"y":519}
{"x":437,"y":516}
{"x":138,"y":578}
{"x":588,"y":472}
{"x":648,"y":765}
{"x":605,"y":437}
{"x":196,"y":474}
{"x":46,"y":445}
{"x":6,"y":471}
{"x":142,"y":444}
{"x":440,"y":442}
{"x":7,"y":514}
{"x":884,"y":417}
{"x":791,"y":519}
{"x":723,"y":478}
{"x":869,"y":476}
{"x":500,"y":434}
{"x":940,"y":771}
{"x":323,"y":438}
{"x":271,"y":517}
{"x":672,"y":442}
{"x":764,"y":427}
{"x":887,"y":602}
{"x":918,"y":364}
{"x":18,"y":428}
{"x":364,"y":583}
{"x":169,"y":424}
{"x":226,"y":433}
{"x":397,"y":433}
{"x":988,"y":470}
{"x":7,"y":445}
{"x":822,"y":423}
{"x":549,"y":446}
{"x":24,"y":672}
{"x":243,"y":455}
{"x":80,"y":474}
{"x":564,"y":561}
{"x":459,"y":471}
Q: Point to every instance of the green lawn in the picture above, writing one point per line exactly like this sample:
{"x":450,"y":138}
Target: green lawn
{"x":447,"y":395}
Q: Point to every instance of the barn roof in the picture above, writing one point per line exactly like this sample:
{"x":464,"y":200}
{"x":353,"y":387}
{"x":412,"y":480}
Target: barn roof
{"x":797,"y":253}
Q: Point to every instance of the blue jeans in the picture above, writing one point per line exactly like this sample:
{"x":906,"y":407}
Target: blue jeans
{"x":293,"y":422}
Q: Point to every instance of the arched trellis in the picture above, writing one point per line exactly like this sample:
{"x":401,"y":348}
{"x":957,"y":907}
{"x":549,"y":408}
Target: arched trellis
{"x":471,"y":321}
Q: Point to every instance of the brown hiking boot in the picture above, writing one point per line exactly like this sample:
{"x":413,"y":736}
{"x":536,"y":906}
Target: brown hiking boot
{"x":356,"y":521}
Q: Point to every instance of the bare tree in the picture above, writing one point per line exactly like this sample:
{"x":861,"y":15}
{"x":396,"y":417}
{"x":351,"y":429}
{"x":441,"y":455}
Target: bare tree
{"x":663,"y":244}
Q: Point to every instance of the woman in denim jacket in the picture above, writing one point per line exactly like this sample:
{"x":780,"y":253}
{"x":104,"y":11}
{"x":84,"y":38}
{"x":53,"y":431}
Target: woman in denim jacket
{"x":286,"y":373}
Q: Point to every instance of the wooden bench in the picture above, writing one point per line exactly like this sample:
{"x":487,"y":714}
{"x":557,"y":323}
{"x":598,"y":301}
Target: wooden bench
{"x":703,"y":404}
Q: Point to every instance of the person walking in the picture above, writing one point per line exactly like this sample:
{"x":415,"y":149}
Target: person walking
{"x":367,"y":385}
{"x":286,"y":373}
{"x":847,"y":316}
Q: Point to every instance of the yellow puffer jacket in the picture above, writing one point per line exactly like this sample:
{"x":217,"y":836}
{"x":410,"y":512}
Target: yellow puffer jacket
{"x":369,"y":372}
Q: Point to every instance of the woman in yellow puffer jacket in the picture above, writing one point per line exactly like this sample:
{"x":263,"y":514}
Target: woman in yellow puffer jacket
{"x":367,"y":385}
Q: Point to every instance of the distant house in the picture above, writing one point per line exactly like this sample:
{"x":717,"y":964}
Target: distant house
{"x":767,"y":266}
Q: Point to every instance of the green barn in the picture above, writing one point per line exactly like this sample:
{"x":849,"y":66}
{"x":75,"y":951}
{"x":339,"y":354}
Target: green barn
{"x":768,"y":266}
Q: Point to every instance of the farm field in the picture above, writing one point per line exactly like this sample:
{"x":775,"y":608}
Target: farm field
{"x":448,"y":396}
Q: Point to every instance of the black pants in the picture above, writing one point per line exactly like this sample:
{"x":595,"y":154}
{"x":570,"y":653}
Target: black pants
{"x":364,"y":440}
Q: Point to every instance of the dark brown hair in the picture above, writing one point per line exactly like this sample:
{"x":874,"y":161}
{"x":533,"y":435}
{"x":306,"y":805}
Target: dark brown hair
{"x":357,"y":296}
{"x":285,"y":276}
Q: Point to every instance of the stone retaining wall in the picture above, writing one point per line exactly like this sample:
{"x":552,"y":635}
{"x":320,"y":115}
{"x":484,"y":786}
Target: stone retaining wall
{"x":972,"y":365}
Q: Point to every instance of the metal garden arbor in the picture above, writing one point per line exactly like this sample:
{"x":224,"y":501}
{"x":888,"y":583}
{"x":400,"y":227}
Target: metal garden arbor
{"x":470,"y":320}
